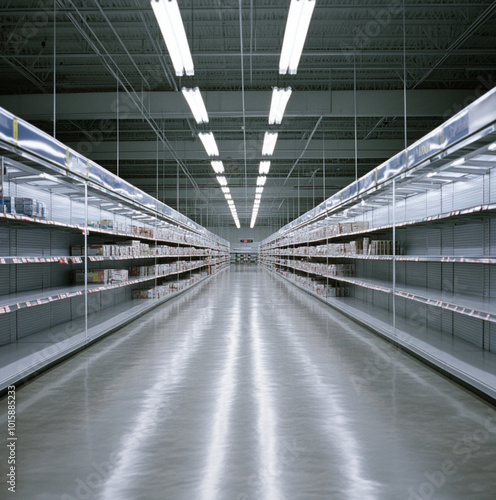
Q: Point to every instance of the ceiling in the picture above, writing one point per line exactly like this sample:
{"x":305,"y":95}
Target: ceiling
{"x":345,"y":116}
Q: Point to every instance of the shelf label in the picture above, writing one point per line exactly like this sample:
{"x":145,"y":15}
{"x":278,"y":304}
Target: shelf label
{"x":15,"y":129}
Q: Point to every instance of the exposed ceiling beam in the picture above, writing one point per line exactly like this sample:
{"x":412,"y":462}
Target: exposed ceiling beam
{"x":222,"y":104}
{"x":231,"y":150}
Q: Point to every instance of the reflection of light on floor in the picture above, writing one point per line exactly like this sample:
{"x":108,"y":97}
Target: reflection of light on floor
{"x":224,"y":397}
{"x":335,"y":422}
{"x":269,"y":469}
{"x":151,"y":403}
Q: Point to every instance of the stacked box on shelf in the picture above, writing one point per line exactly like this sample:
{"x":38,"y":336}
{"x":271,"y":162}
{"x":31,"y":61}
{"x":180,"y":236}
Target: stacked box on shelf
{"x":7,"y":205}
{"x":165,"y":289}
{"x":23,"y":206}
{"x":382,"y":247}
{"x":354,"y":247}
{"x":102,"y":276}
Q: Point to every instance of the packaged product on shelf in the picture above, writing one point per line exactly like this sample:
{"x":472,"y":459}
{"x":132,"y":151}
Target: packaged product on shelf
{"x":354,"y":247}
{"x":93,"y":224}
{"x":366,"y":246}
{"x":8,"y":204}
{"x":148,"y":293}
{"x":340,"y":270}
{"x":107,"y":224}
{"x":117,"y":275}
{"x":345,"y":227}
{"x":28,"y":206}
{"x":94,"y":276}
{"x":137,"y":271}
{"x":383,"y":247}
{"x":359,"y":226}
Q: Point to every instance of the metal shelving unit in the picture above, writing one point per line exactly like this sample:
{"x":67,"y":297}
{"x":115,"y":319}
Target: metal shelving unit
{"x":52,"y":199}
{"x":434,"y":207}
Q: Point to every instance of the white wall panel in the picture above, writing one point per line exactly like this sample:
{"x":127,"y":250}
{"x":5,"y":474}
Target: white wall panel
{"x":469,"y":194}
{"x":434,"y":275}
{"x":469,"y":239}
{"x":7,"y":328}
{"x":468,"y":329}
{"x":33,"y":242}
{"x":469,"y":279}
{"x":32,"y":319}
{"x":433,"y":241}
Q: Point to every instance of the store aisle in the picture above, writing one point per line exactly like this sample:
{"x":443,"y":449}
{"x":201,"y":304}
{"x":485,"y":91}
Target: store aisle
{"x":248,"y":388}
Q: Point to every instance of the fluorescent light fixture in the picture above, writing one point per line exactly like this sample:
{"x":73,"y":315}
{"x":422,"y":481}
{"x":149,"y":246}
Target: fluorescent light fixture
{"x":225,"y":189}
{"x":280,"y":98}
{"x":299,"y":16}
{"x":172,"y":28}
{"x":209,"y":143}
{"x":460,"y":161}
{"x":237,"y":224}
{"x":492,"y":147}
{"x":261,"y":180}
{"x":431,"y":174}
{"x":222,"y":180}
{"x":264,"y":167}
{"x":259,"y":190}
{"x":218,"y":167}
{"x":228,"y":196}
{"x":195,"y":102}
{"x":269,"y":143}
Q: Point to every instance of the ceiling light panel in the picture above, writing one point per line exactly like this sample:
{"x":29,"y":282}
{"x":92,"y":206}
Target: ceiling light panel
{"x":209,"y":143}
{"x":269,"y":143}
{"x":299,"y":16}
{"x":195,"y":102}
{"x":261,"y":180}
{"x":264,"y":167}
{"x":280,"y":98}
{"x":172,"y":28}
{"x":218,"y":167}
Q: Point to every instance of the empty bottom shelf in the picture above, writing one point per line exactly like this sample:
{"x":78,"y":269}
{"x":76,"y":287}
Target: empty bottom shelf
{"x":34,"y":353}
{"x":460,"y":360}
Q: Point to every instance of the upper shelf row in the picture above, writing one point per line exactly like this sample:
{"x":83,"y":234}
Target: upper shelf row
{"x":61,"y":169}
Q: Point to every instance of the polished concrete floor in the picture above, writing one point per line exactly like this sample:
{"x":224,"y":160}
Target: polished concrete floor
{"x":247,"y":388}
